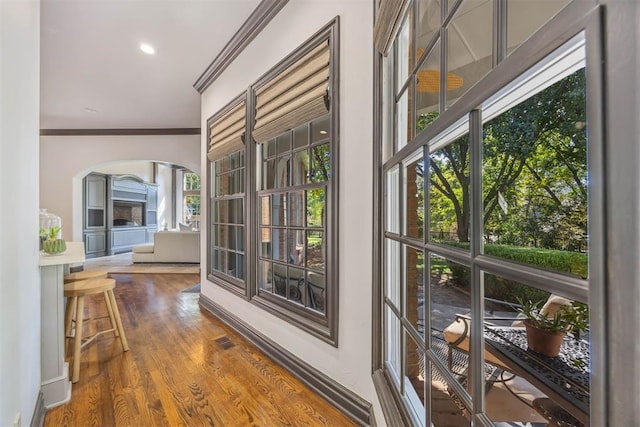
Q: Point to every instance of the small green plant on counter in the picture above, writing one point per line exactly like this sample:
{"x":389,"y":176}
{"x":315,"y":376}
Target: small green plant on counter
{"x":51,"y":244}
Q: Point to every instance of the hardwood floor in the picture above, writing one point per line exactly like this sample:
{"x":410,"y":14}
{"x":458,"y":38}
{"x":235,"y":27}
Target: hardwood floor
{"x":185,"y":367}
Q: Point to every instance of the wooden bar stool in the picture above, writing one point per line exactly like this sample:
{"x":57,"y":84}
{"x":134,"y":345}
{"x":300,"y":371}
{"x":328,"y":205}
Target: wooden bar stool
{"x":85,"y":275}
{"x":76,"y":291}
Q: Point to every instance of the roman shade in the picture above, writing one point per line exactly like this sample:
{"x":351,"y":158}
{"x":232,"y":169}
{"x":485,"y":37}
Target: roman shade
{"x":295,"y":96}
{"x":226,"y":134}
{"x":387,"y":23}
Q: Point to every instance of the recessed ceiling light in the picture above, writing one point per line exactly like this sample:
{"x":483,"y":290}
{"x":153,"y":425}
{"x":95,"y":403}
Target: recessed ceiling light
{"x":147,"y":48}
{"x":90,"y":110}
{"x":323,"y":132}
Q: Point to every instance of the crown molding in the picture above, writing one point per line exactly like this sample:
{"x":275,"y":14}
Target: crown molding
{"x":119,"y":132}
{"x":255,"y":23}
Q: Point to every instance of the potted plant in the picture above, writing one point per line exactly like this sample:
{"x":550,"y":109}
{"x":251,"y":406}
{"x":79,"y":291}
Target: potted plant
{"x":545,"y":332}
{"x":51,"y":244}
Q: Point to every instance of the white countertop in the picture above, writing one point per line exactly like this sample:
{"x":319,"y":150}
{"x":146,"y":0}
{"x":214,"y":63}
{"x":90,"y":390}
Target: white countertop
{"x":73,"y":254}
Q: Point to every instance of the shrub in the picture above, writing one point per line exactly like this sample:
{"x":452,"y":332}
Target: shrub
{"x":574,"y":263}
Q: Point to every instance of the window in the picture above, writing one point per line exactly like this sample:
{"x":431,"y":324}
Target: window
{"x":484,"y":200}
{"x":191,"y":201}
{"x":273,"y":189}
{"x":226,"y":247}
{"x":296,"y":138}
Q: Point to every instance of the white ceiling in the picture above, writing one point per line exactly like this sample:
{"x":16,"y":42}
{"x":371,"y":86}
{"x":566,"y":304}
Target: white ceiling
{"x":91,"y":60}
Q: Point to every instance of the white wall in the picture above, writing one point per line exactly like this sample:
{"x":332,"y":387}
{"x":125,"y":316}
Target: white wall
{"x":143,"y":170}
{"x":65,"y":160}
{"x":350,"y":363}
{"x":19,"y":273}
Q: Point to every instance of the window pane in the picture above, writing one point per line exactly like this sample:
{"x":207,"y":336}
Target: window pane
{"x":301,"y":137}
{"x":270,"y":148}
{"x":239,"y":267}
{"x":296,"y":247}
{"x":447,"y":408}
{"x":279,"y":244}
{"x":215,"y":259}
{"x":265,"y":242}
{"x":317,"y":291}
{"x":300,"y":165}
{"x":265,"y":276}
{"x":296,"y":208}
{"x":295,"y":288}
{"x":268,"y":174}
{"x":403,"y":128}
{"x":283,"y":178}
{"x":449,"y":197}
{"x":535,"y":180}
{"x":392,"y":196}
{"x":215,"y":235}
{"x":414,"y":378}
{"x":525,"y":17}
{"x":283,"y":143}
{"x":450,"y":297}
{"x":392,"y":343}
{"x":414,"y":289}
{"x":405,"y":56}
{"x":320,"y":163}
{"x":568,"y":373}
{"x":265,"y":210}
{"x":215,"y":216}
{"x":320,"y":129}
{"x":470,"y":49}
{"x":392,"y":271}
{"x":315,"y":207}
{"x":414,"y":199}
{"x":428,"y":23}
{"x":428,"y":90}
{"x":280,"y":279}
{"x":236,"y":214}
{"x":278,"y":209}
{"x":315,"y":250}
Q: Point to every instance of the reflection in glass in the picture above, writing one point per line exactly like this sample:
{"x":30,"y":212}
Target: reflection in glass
{"x":392,"y":271}
{"x":300,"y":137}
{"x":428,"y":23}
{"x":320,"y":163}
{"x":278,"y":209}
{"x":280,"y":279}
{"x":315,"y":250}
{"x":428,"y":90}
{"x":279,"y":244}
{"x":315,"y":207}
{"x":268,"y":174}
{"x":215,"y":259}
{"x":535,"y":180}
{"x":296,"y":280}
{"x":270,"y":148}
{"x":392,"y":197}
{"x":283,"y":143}
{"x":265,"y":242}
{"x":300,"y":172}
{"x":296,"y":208}
{"x":449,"y":197}
{"x":320,"y":129}
{"x":469,"y":48}
{"x":316,"y":291}
{"x":414,"y":198}
{"x":403,"y":127}
{"x":414,"y":288}
{"x":404,"y":54}
{"x":296,"y":247}
{"x":392,"y":343}
{"x":265,"y":210}
{"x":414,"y":378}
{"x":525,"y":17}
{"x":283,"y":177}
{"x":239,"y":267}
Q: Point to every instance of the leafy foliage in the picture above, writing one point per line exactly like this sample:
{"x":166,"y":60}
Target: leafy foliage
{"x":574,"y":317}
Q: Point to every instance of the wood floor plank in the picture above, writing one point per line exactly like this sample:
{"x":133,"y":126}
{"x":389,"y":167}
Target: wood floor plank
{"x":185,"y":368}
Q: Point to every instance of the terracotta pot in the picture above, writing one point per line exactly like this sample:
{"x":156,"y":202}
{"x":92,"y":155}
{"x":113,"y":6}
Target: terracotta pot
{"x":542,"y":341}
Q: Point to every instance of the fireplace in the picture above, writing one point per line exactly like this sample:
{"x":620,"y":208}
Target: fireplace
{"x":128,"y":214}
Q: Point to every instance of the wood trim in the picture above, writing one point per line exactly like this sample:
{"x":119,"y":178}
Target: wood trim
{"x":390,"y":407}
{"x":39,"y":412}
{"x":257,"y":21}
{"x":355,"y":407}
{"x":119,"y":132}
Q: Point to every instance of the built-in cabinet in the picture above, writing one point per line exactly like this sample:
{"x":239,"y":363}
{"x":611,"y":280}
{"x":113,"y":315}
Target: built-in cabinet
{"x":120,"y":211}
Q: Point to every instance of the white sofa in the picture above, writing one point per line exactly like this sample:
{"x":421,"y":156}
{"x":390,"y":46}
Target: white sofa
{"x":170,"y":246}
